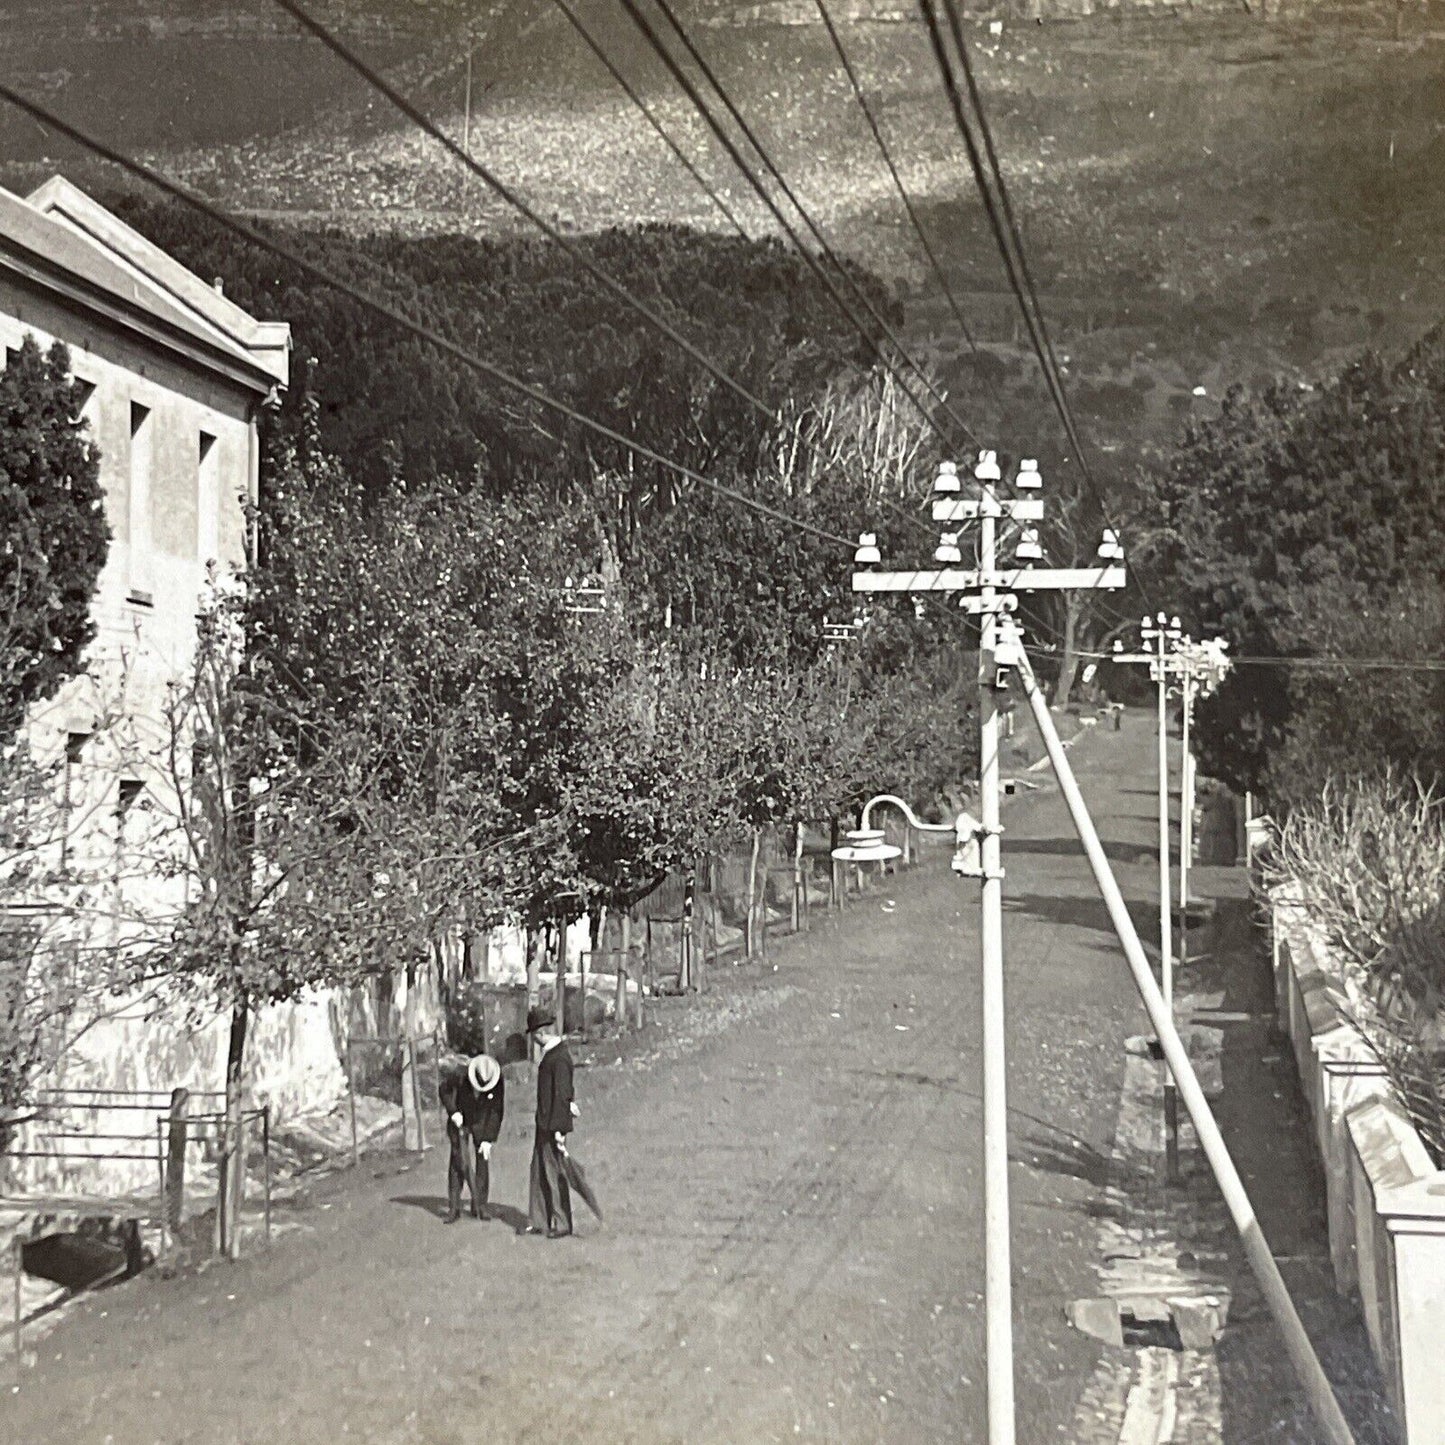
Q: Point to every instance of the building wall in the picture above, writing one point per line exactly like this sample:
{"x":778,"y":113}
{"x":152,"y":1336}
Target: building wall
{"x":179,"y":459}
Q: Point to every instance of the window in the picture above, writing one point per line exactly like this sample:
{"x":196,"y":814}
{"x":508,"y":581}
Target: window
{"x":84,"y":390}
{"x":74,"y":756}
{"x":140,"y":593}
{"x":208,"y":499}
{"x":130,"y":790}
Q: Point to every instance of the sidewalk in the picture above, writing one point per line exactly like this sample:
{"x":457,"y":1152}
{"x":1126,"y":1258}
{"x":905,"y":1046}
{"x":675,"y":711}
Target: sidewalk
{"x":794,"y":1237}
{"x":1263,"y":1116}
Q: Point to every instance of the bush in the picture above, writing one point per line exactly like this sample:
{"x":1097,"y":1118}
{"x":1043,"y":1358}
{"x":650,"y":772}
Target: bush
{"x":1368,"y":856}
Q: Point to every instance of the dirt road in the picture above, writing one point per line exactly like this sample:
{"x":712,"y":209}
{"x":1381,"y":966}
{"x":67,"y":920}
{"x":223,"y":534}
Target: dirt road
{"x":793,"y":1249}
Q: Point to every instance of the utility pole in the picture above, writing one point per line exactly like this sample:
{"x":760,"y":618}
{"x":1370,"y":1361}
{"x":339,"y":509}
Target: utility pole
{"x":1200,"y":668}
{"x":990,"y":595}
{"x":1161,"y":640}
{"x":1313,"y":1380}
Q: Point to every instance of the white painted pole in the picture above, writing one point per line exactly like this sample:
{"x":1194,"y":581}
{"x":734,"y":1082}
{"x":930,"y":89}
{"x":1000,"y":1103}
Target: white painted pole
{"x":1166,"y":911}
{"x":1311,"y":1374}
{"x":1186,"y":816}
{"x":998,"y":1292}
{"x":1166,"y":926}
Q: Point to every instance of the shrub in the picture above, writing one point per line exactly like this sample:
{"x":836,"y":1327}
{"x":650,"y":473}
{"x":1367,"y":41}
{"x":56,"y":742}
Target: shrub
{"x":1368,"y":856}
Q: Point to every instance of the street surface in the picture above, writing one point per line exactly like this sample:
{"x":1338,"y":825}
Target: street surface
{"x":794,"y":1238}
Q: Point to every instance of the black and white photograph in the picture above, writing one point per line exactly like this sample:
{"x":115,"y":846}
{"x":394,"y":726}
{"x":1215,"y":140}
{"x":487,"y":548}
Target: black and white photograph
{"x":722,"y":722}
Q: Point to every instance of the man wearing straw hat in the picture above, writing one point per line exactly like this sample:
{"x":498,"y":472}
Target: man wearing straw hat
{"x":473,"y":1097}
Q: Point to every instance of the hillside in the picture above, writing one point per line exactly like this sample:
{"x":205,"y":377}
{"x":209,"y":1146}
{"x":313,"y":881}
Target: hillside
{"x":1208,"y":198}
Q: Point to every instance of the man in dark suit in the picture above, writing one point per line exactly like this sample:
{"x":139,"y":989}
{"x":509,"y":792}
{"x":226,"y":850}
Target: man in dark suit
{"x":473,"y":1098}
{"x":550,"y":1205}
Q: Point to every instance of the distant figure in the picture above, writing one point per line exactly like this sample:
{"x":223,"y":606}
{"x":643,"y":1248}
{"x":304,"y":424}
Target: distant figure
{"x":550,"y":1205}
{"x":473,"y":1098}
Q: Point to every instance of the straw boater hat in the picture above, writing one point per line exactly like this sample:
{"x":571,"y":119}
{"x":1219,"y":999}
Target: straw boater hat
{"x":484,"y":1071}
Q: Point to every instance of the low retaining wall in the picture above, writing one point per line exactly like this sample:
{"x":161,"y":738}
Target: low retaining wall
{"x":1384,"y":1197}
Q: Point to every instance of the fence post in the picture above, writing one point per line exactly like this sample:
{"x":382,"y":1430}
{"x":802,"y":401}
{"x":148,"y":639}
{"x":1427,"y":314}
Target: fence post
{"x":624,"y":971}
{"x":175,"y":1172}
{"x":797,"y":911}
{"x":582,"y":983}
{"x":351,"y":1095}
{"x":834,"y":867}
{"x":266,"y":1162}
{"x":411,"y":1051}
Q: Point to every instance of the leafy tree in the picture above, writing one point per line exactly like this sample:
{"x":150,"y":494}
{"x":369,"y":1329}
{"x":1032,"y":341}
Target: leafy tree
{"x":52,"y":517}
{"x":1290,"y":518}
{"x":392,"y":405}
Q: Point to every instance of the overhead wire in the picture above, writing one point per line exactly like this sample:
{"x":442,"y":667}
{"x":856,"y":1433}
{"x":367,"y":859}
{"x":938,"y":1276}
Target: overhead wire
{"x":630,"y":91}
{"x":1048,"y":357}
{"x":424,"y":122}
{"x":654,"y":40}
{"x":912,"y":211}
{"x":710,"y":75}
{"x":326,"y":277}
{"x":1007,"y":233}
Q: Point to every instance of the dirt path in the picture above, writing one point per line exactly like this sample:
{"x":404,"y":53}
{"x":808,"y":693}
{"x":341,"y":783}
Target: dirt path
{"x":793,"y":1246}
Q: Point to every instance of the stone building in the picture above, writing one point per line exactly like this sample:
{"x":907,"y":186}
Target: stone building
{"x":176,"y":378}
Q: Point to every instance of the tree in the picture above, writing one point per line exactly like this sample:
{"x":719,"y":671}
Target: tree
{"x":52,"y":517}
{"x":1288,"y":519}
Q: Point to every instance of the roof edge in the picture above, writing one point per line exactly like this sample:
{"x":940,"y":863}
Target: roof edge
{"x":269,"y":342}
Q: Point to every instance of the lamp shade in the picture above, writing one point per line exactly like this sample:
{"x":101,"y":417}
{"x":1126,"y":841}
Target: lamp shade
{"x":866,"y":845}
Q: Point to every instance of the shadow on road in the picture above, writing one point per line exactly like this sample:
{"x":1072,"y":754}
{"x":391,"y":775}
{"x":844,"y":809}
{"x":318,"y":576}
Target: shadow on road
{"x":1087,"y":913}
{"x":1128,"y":854}
{"x":436,"y":1204}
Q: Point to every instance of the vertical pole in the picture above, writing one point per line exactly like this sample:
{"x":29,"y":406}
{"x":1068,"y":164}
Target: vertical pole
{"x":797,"y":909}
{"x":1166,"y":919}
{"x":161,"y":1170}
{"x":998,"y":1304}
{"x":416,"y":1098}
{"x":1166,"y":928}
{"x":1186,"y":817}
{"x":1311,"y":1375}
{"x":266,"y":1162}
{"x":624,"y":971}
{"x":238,"y":1188}
{"x":351,"y":1098}
{"x":582,"y":984}
{"x":17,"y":1251}
{"x":175,"y":1173}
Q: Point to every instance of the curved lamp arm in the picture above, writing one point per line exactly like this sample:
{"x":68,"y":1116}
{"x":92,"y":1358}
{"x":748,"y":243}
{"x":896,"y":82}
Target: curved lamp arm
{"x":907,"y":812}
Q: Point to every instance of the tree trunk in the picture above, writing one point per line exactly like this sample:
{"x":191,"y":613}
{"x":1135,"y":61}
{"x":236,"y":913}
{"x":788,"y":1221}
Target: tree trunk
{"x":534,"y":969}
{"x":752,"y":930}
{"x":797,"y":876}
{"x":411,"y":1135}
{"x":624,"y":967}
{"x":1068,"y":656}
{"x":688,"y":970}
{"x":233,"y":1161}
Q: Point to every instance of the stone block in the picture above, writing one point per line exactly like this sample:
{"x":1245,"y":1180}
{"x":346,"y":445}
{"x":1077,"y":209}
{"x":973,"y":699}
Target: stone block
{"x":1199,"y":1320}
{"x":1098,"y":1317}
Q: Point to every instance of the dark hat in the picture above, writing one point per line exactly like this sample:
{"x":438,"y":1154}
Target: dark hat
{"x":539,"y":1018}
